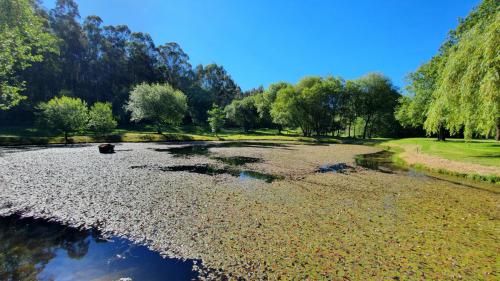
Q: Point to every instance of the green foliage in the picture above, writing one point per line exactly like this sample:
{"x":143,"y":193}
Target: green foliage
{"x":412,"y":111}
{"x":323,"y":105}
{"x":219,"y":83}
{"x":64,"y":114}
{"x":468,"y":90}
{"x":101,"y":118}
{"x":264,"y":101}
{"x":459,"y":89}
{"x":24,"y":39}
{"x":243,"y":112}
{"x":377,"y":100}
{"x":158,"y":103}
{"x":216,"y":118}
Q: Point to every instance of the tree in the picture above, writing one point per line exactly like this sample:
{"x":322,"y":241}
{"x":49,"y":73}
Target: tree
{"x":216,"y":119}
{"x":219,"y":83}
{"x":349,"y":104}
{"x":243,"y":112}
{"x":24,"y":39}
{"x":469,"y":84}
{"x":264,"y":101}
{"x":64,"y":114}
{"x":174,"y":66}
{"x":378,"y":97}
{"x":459,"y":89}
{"x":283,"y":107}
{"x":101,"y":118}
{"x":65,"y":23}
{"x":159,"y":103}
{"x":311,"y":105}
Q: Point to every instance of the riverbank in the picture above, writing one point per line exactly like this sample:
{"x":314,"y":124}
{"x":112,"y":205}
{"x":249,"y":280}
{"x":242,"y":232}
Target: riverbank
{"x":475,"y":159}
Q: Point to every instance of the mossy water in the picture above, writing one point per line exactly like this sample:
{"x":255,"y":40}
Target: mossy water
{"x":358,"y":225}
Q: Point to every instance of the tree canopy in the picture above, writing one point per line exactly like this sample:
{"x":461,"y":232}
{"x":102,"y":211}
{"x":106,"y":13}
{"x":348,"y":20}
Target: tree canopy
{"x":64,"y":114}
{"x":158,"y":103}
{"x":459,"y":89}
{"x":24,"y":39}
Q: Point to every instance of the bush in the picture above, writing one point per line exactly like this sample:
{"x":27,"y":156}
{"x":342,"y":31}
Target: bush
{"x":64,"y":114}
{"x":216,"y":119}
{"x":101,"y":119}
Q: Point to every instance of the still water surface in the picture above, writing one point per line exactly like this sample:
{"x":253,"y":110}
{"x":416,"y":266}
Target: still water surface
{"x":32,"y":249}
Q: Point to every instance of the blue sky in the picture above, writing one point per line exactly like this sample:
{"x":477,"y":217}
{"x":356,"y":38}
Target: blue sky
{"x":260,"y":42}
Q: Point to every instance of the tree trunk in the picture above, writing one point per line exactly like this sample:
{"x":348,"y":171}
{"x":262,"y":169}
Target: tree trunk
{"x":65,"y":138}
{"x":497,"y":137}
{"x":441,"y":134}
{"x":366,"y":126}
{"x":349,"y":130}
{"x":354,"y":130}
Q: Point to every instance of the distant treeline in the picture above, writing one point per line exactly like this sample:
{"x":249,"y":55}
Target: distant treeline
{"x":46,"y":54}
{"x":97,"y":62}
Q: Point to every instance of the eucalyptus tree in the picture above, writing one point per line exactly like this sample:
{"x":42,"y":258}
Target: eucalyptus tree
{"x":215,"y":79}
{"x":65,"y":23}
{"x":174,"y":66}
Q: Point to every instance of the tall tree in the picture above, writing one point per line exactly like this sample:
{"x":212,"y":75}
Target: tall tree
{"x":65,"y":22}
{"x":264,"y":101}
{"x":174,"y":66}
{"x":219,"y":83}
{"x":243,"y":112}
{"x":458,"y":89}
{"x":378,"y":98}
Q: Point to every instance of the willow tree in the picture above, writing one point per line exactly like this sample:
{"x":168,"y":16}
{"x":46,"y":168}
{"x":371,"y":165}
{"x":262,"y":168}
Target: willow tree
{"x":413,"y":110}
{"x":458,"y":89}
{"x":469,"y":85}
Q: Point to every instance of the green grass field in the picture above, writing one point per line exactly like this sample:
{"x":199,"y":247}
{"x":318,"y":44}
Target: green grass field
{"x":26,"y":135}
{"x":484,"y":152}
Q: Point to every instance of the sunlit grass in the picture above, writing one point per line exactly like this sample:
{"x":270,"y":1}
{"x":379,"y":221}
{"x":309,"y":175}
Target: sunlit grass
{"x":484,"y":152}
{"x":26,"y":135}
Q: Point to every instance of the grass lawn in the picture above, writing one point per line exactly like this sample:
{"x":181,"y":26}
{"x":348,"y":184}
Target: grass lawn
{"x":28,"y":135}
{"x":483,"y":152}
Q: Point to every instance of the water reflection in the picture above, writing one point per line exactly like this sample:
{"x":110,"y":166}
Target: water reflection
{"x":204,"y":149}
{"x":207,"y":169}
{"x":382,"y":162}
{"x":33,"y":249}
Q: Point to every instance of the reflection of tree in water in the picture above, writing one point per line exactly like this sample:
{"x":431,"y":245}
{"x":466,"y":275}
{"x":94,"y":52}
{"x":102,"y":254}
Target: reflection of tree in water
{"x":28,"y":245}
